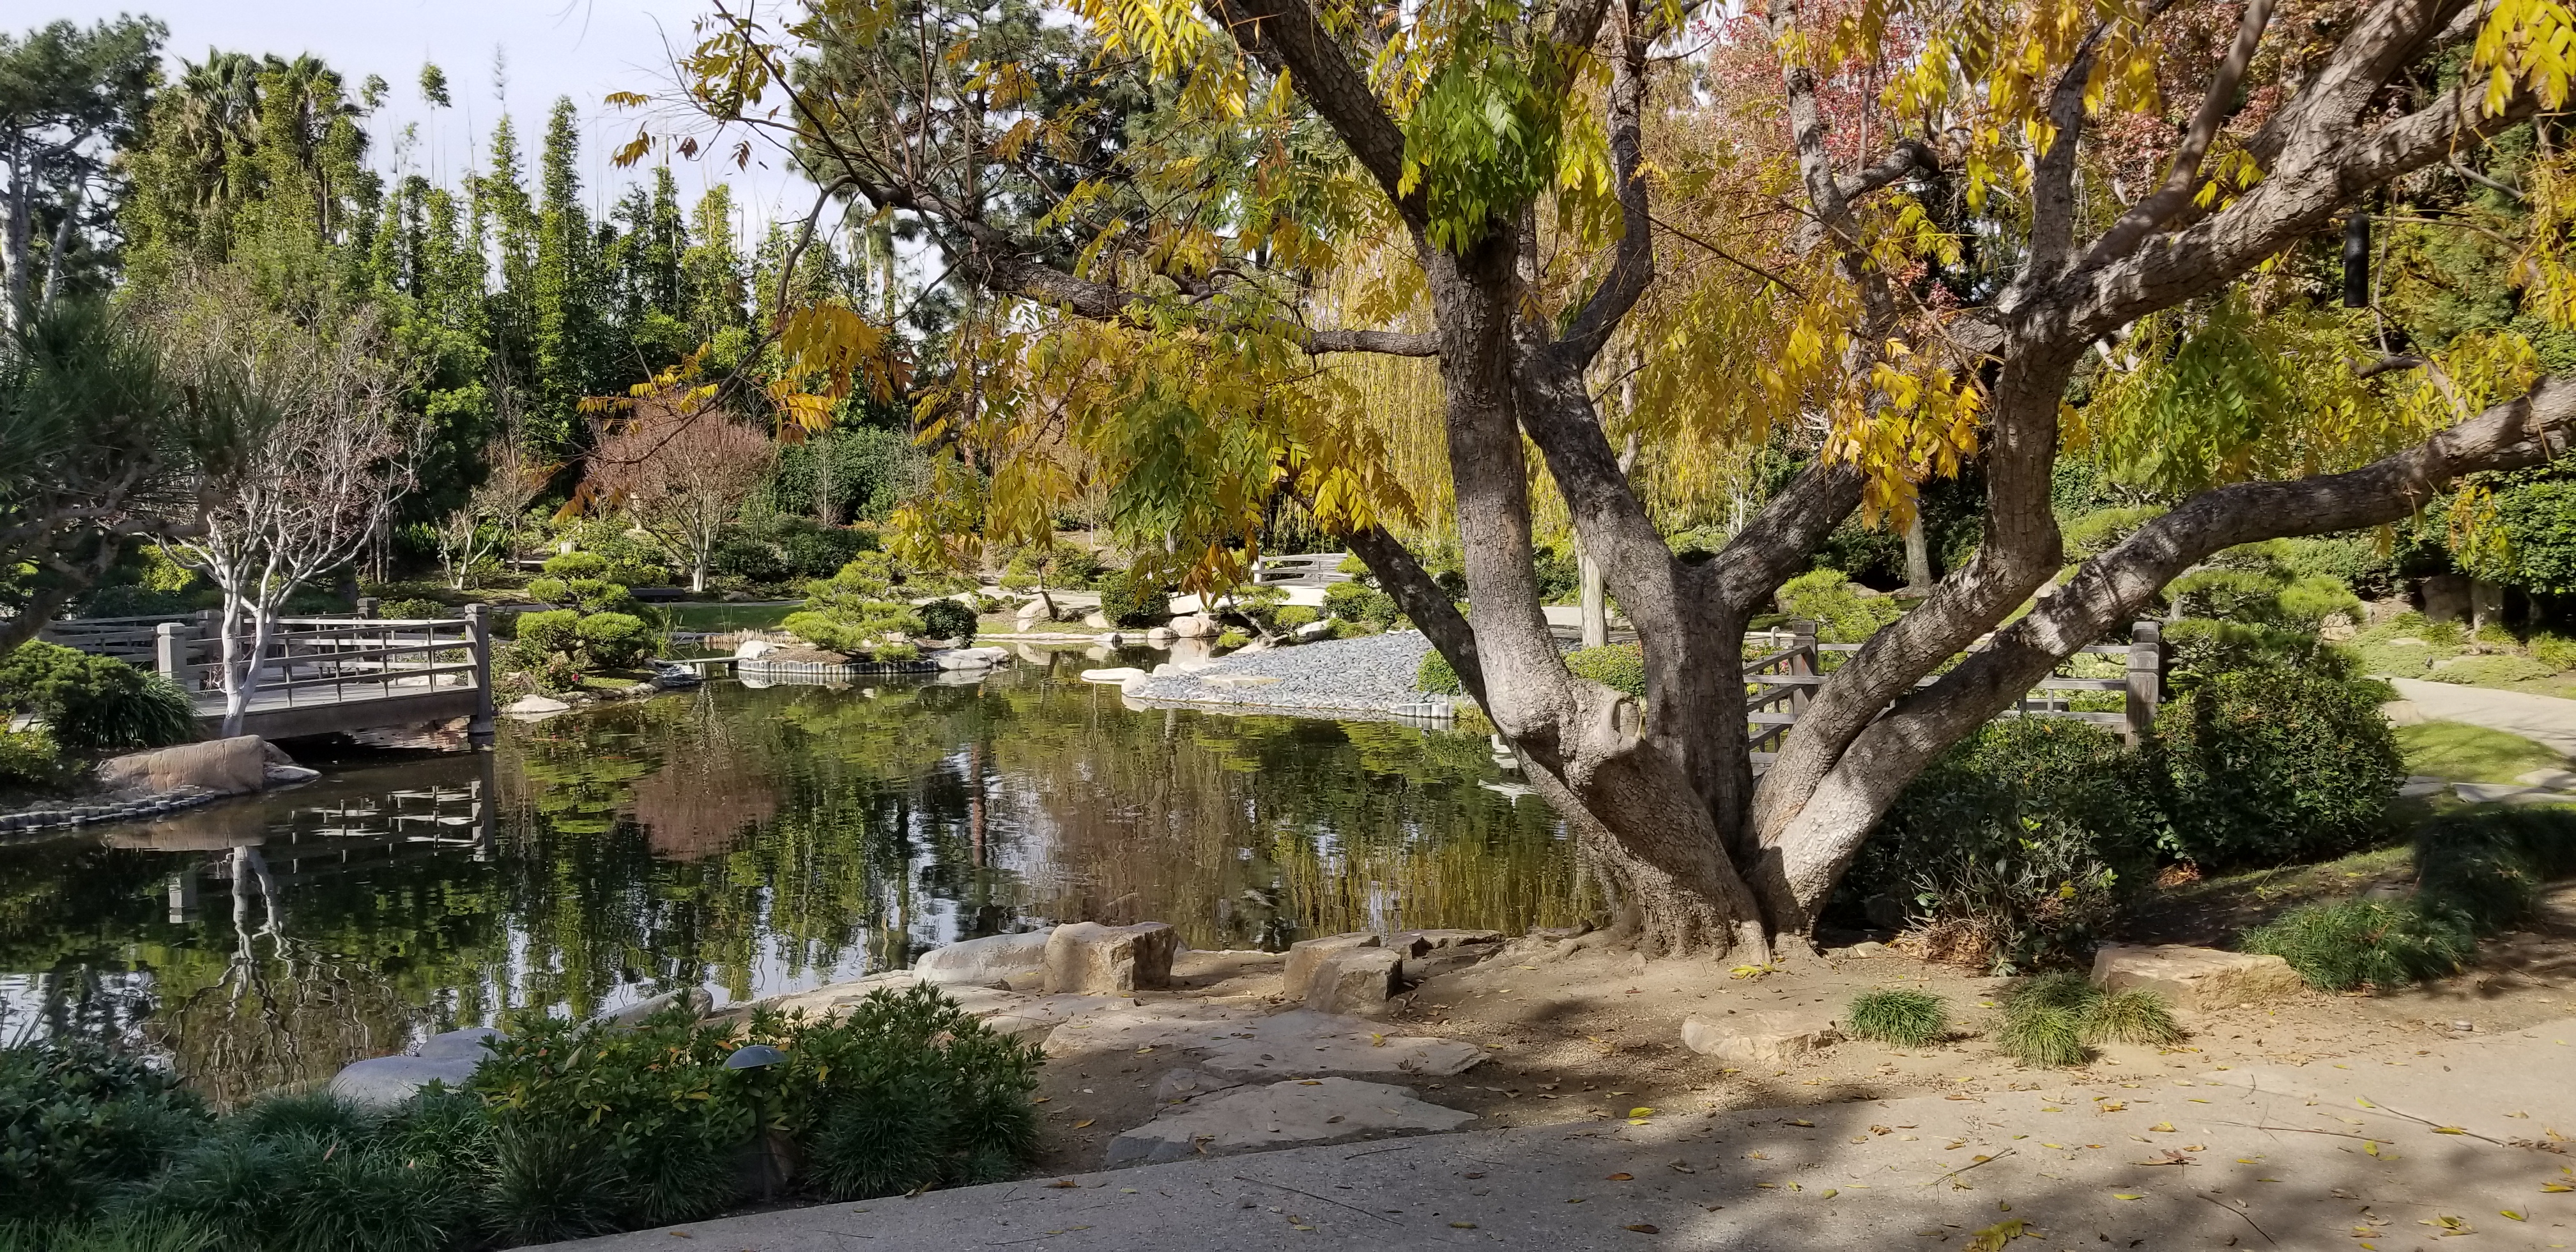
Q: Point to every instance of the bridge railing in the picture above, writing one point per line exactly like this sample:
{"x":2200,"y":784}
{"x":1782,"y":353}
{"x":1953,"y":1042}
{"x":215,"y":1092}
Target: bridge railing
{"x":1314,"y":569}
{"x":308,"y":660}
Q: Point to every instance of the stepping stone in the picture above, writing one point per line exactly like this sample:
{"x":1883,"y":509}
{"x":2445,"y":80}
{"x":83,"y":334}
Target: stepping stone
{"x":1115,"y":674}
{"x":1358,"y":981}
{"x":2202,"y":979}
{"x":1767,"y":1038}
{"x":2487,"y":793}
{"x":1280,"y":1115}
{"x":1087,"y":958}
{"x":1307,"y":955}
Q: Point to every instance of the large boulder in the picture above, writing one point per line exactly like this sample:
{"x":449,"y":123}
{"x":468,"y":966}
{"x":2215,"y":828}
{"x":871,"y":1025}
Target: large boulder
{"x":1357,"y":982}
{"x":2201,"y":979}
{"x":694,"y":999}
{"x":1087,"y":958}
{"x":1279,"y":1115}
{"x":233,"y":767}
{"x":386,"y":1081}
{"x":985,"y":961}
{"x":1775,"y":1037}
{"x":1306,"y":954}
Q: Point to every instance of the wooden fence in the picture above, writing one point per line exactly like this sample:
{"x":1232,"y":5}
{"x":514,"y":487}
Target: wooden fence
{"x":1785,"y":679}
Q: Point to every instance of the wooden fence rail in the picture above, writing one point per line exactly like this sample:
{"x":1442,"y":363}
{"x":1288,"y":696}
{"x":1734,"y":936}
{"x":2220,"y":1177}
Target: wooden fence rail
{"x":1782,"y":681}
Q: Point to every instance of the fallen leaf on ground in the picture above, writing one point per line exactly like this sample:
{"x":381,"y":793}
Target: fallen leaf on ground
{"x":1993,"y":1238}
{"x":1644,"y":1228}
{"x":1084,"y":1122}
{"x":1621,"y":1177}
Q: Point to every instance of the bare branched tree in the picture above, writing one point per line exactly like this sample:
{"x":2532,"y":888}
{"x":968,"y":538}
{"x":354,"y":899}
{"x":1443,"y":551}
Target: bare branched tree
{"x":319,"y":451}
{"x":682,"y":475}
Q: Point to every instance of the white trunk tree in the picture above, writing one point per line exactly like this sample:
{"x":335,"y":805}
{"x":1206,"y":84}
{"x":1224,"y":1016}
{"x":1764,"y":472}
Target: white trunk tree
{"x":321,"y":454}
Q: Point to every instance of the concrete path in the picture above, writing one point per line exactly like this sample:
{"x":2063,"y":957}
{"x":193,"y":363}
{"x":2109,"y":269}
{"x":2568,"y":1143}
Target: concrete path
{"x":2546,"y":719}
{"x":2462,"y":1140}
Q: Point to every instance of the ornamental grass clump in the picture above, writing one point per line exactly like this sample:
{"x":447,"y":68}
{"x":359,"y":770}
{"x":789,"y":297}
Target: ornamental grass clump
{"x":2058,"y":1019}
{"x":1908,"y":1019}
{"x":2344,"y":944}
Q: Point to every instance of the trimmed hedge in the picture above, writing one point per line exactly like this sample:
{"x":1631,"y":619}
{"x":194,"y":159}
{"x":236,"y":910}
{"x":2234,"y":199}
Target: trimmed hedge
{"x":95,"y":703}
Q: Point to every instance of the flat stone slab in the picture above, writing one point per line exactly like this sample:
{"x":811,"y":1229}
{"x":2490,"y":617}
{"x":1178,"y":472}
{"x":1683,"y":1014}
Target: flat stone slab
{"x":1113,"y":674}
{"x":2554,"y":779}
{"x":1239,"y":1042}
{"x":1775,"y":1037}
{"x":1277,"y":1115}
{"x":986,"y":960}
{"x":2202,"y":979}
{"x":2418,"y":788}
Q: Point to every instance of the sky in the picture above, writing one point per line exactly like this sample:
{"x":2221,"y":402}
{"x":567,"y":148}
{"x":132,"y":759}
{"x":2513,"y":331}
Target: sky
{"x":578,"y":48}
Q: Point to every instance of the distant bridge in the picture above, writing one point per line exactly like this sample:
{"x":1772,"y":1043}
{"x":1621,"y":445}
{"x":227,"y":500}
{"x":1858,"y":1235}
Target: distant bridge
{"x":320,"y":675}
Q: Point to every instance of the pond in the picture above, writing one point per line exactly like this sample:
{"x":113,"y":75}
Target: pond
{"x":747,"y":841}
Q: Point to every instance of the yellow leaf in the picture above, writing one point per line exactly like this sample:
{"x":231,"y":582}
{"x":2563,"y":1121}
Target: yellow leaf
{"x":1085,"y":1122}
{"x":1641,"y":1112}
{"x":2125,"y":1195}
{"x":2514,"y":1215}
{"x":1993,"y":1238}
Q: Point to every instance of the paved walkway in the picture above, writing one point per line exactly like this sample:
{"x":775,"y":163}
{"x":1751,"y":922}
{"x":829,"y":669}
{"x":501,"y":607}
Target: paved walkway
{"x":2546,"y":719}
{"x":2179,"y":1155}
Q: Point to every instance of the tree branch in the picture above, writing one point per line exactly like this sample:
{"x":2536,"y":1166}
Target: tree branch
{"x":2182,"y":174}
{"x":1632,"y":263}
{"x":1285,"y":35}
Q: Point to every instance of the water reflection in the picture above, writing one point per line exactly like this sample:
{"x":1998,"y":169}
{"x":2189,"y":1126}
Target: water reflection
{"x":747,"y":841}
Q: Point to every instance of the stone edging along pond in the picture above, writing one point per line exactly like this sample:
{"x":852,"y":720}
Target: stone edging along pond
{"x":152,"y":805}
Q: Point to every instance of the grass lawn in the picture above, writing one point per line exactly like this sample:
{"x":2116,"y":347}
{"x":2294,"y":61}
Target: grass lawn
{"x":715,"y":618}
{"x":2214,"y":909}
{"x":2464,"y":753}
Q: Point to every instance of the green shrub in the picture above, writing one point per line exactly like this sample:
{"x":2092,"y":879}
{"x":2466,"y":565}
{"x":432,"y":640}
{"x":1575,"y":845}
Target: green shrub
{"x":571,"y":565}
{"x":2098,"y":532}
{"x":1436,"y":677}
{"x":2277,"y":765}
{"x":1357,"y":571}
{"x":2058,"y":1019}
{"x":1351,"y":630}
{"x":588,"y":595}
{"x":2555,"y":651}
{"x":2443,"y":634}
{"x":2029,"y":834}
{"x":31,"y":758}
{"x":1357,"y":602}
{"x":1618,"y":666}
{"x":1231,"y":638}
{"x":414,"y":609}
{"x":1131,"y":601}
{"x":2310,"y":599}
{"x":2198,"y":649}
{"x":2490,"y":671}
{"x":1905,"y":1018}
{"x":616,"y":640}
{"x":815,"y":553}
{"x":2343,"y":944}
{"x":549,"y":632}
{"x":1289,"y":617}
{"x":921,"y":1095}
{"x":79,"y":1121}
{"x":1841,"y":613}
{"x":852,"y":613}
{"x":2240,"y":595}
{"x":95,"y":703}
{"x":947,"y":619}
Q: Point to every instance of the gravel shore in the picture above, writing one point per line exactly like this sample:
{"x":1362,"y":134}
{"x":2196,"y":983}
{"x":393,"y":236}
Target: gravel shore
{"x":1373,"y":673}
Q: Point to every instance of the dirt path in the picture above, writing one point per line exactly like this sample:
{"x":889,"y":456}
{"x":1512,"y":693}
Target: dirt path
{"x":2545,"y":719}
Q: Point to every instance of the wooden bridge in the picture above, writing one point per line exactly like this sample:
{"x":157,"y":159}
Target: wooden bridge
{"x":320,"y":675}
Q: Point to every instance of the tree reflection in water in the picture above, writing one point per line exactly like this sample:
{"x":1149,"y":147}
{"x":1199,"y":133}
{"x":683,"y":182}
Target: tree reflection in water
{"x":748,"y":841}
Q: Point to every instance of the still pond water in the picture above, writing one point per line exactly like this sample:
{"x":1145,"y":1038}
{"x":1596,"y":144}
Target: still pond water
{"x":748,"y":841}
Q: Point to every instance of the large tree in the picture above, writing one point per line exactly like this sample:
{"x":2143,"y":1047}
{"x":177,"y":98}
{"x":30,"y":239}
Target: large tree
{"x":1505,"y":189}
{"x":69,"y":99}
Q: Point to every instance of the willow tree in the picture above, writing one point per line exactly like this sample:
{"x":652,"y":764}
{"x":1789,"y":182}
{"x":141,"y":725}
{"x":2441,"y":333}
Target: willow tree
{"x":1170,"y":191}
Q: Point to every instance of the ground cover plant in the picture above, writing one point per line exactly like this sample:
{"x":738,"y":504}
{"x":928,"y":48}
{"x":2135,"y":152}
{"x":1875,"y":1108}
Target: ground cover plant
{"x":2478,"y":871}
{"x":2464,"y":753}
{"x":568,"y":1130}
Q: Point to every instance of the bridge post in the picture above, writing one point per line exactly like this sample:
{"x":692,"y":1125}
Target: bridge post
{"x":2146,"y":679}
{"x":170,"y":655}
{"x":366,"y":606}
{"x":478,"y":634}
